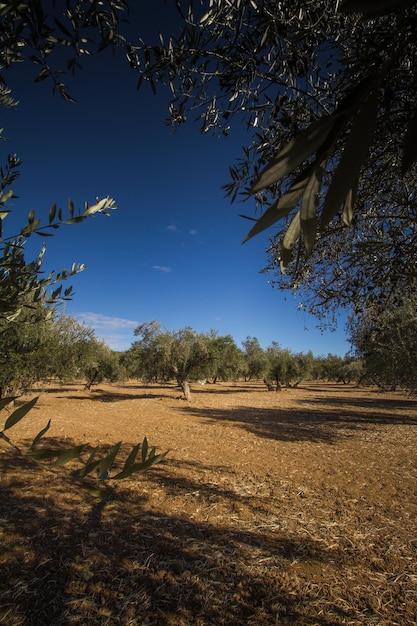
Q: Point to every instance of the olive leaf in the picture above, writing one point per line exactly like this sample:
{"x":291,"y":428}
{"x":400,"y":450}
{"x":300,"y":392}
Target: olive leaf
{"x":19,"y":413}
{"x":291,"y":236}
{"x":283,"y":205}
{"x":354,"y":154}
{"x":296,"y":152}
{"x":40,"y":435}
{"x":70,"y":455}
{"x":308,"y":220}
{"x":320,"y":136}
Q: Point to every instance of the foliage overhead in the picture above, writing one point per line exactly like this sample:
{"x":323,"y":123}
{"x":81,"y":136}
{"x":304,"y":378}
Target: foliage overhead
{"x":327,"y":90}
{"x":56,"y":37}
{"x":21,"y":280}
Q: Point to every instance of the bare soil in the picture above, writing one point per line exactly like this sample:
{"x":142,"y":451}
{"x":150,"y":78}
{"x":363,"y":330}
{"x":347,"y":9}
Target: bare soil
{"x":296,"y":507}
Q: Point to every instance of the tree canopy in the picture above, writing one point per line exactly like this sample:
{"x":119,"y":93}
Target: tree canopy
{"x":55,"y":37}
{"x":327,"y":91}
{"x":184,"y":355}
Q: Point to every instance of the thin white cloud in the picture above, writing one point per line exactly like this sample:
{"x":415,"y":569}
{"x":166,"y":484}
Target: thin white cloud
{"x":172,"y":228}
{"x":116,"y":332}
{"x":192,"y":231}
{"x":162,"y":268}
{"x":99,"y":321}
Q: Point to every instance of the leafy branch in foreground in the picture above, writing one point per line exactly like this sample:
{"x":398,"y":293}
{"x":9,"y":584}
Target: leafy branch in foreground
{"x":20,"y":279}
{"x":140,"y":458}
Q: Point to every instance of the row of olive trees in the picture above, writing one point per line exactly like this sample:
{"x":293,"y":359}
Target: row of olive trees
{"x":281,"y":367}
{"x":185,"y":356}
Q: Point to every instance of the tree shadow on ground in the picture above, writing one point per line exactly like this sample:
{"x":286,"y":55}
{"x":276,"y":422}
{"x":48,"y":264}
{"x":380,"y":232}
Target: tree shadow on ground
{"x":325,"y":422}
{"x":72,"y":560}
{"x":371,"y":401}
{"x":108,"y":396}
{"x":217,"y":389}
{"x":164,"y":391}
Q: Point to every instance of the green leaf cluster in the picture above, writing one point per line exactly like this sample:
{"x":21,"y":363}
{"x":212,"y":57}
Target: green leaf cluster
{"x":356,"y":118}
{"x":20,"y":280}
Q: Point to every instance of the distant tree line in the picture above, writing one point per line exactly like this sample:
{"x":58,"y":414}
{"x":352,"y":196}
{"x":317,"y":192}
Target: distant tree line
{"x":185,"y":356}
{"x":384,"y":345}
{"x":43,"y":343}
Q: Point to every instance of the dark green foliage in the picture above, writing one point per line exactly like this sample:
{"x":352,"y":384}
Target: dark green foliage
{"x":183,"y":355}
{"x":255,"y":359}
{"x":225,"y":359}
{"x":385,"y":339}
{"x":286,"y":368}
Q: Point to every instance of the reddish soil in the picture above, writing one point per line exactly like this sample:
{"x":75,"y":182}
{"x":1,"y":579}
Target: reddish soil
{"x":296,"y":507}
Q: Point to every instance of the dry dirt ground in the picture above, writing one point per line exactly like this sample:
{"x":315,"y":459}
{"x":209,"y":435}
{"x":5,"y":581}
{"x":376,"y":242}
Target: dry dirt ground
{"x":297,"y":507}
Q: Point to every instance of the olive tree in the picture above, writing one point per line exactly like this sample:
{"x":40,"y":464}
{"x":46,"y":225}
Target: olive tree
{"x":328,"y":367}
{"x":147,"y":357}
{"x":256,"y":361}
{"x":226,"y":359}
{"x":385,"y":339}
{"x":23,"y":357}
{"x":44,"y":343}
{"x":183,"y":355}
{"x":76,"y":353}
{"x":287,"y":368}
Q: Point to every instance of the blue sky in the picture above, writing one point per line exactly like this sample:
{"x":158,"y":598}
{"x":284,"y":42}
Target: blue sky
{"x":172,"y":251}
